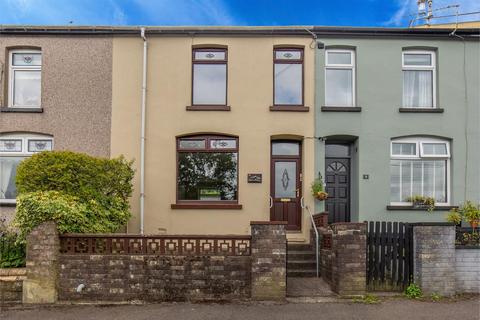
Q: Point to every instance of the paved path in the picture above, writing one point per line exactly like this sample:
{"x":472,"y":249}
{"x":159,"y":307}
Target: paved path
{"x":308,"y":287}
{"x":390,"y":310}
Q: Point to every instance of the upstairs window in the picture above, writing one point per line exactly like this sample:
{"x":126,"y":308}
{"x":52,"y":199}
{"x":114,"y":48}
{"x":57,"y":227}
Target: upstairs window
{"x":288,"y":77}
{"x":419,"y":79}
{"x":25,"y":75}
{"x":340,"y":78}
{"x":207,"y":169}
{"x":419,"y":166}
{"x":13,"y":149}
{"x":209,"y":77}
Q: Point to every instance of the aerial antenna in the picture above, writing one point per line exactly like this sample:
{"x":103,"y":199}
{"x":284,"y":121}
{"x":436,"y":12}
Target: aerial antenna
{"x":426,"y":12}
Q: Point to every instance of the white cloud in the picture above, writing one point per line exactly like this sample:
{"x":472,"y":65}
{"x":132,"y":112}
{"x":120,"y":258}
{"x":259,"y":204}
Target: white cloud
{"x":407,"y":9}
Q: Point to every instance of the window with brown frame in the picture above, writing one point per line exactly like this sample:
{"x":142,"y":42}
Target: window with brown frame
{"x":207,"y":169}
{"x":209,"y":77}
{"x":288,"y":77}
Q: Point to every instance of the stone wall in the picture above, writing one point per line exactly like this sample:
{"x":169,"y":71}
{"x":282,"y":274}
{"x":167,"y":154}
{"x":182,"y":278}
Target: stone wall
{"x":343,"y":265}
{"x":11,"y":284}
{"x":467,"y":270}
{"x":269,"y":260}
{"x":43,"y":249}
{"x":434,"y":258}
{"x":153,"y":278}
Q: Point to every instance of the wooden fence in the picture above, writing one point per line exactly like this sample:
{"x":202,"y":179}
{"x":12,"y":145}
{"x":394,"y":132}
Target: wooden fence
{"x":389,"y":255}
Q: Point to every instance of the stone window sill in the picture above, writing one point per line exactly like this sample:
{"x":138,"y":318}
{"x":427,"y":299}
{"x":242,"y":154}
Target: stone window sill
{"x":21,"y":110}
{"x":411,"y":208}
{"x":341,"y":109}
{"x":220,"y":206}
{"x":208,"y":108}
{"x":421,"y":110}
{"x":289,"y":108}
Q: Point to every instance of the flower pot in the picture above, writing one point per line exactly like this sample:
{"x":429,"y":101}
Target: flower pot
{"x":321,"y":196}
{"x":420,"y":205}
{"x":474,"y":223}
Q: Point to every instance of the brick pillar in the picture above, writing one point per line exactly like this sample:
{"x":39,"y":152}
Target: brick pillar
{"x":43,"y":246}
{"x":434,"y":258}
{"x":349,"y":264}
{"x":269,"y":260}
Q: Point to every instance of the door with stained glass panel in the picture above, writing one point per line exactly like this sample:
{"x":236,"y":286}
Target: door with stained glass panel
{"x":286,"y":190}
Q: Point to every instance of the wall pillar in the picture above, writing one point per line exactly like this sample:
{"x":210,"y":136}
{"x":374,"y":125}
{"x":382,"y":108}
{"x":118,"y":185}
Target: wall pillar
{"x":43,"y":249}
{"x":434,"y":258}
{"x":269,"y":260}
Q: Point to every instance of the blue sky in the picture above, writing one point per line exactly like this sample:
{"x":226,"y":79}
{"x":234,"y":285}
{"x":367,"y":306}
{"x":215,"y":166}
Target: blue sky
{"x":384,"y":13}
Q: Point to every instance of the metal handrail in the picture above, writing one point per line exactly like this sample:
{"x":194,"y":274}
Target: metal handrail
{"x":317,"y":236}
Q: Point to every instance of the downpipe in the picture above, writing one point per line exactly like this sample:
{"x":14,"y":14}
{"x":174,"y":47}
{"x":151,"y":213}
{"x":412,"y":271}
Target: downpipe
{"x":142,"y":134}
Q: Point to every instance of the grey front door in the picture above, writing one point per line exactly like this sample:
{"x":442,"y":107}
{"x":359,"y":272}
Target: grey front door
{"x":337,"y":173}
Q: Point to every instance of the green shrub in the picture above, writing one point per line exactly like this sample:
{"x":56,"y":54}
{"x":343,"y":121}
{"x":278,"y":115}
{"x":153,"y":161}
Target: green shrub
{"x":81,"y":193}
{"x":413,"y":291}
{"x":12,"y":252}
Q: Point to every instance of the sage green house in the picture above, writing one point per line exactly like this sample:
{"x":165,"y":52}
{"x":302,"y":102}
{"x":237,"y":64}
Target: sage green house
{"x":397,"y":115}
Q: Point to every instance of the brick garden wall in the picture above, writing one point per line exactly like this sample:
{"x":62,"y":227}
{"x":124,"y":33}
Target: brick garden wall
{"x":153,"y":278}
{"x":11,"y":284}
{"x":467,"y":270}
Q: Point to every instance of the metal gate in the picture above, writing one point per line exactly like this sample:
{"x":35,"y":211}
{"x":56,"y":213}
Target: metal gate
{"x":389,"y":255}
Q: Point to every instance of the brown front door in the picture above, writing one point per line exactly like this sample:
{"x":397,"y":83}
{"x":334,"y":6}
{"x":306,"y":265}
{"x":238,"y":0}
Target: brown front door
{"x":286,"y":185}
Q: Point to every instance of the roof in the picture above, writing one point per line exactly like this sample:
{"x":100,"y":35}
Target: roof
{"x":320,"y":31}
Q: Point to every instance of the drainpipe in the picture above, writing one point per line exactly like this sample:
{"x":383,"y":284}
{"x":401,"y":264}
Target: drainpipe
{"x":142,"y":136}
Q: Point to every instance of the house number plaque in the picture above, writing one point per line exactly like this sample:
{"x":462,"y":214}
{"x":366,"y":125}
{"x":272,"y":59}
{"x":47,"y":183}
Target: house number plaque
{"x":254,"y":178}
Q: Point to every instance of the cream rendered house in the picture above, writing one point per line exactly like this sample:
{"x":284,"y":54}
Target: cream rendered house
{"x":228,"y":128}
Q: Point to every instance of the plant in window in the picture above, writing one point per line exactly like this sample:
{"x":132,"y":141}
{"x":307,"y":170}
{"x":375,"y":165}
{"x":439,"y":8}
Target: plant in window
{"x":422,"y":202}
{"x":318,"y":190}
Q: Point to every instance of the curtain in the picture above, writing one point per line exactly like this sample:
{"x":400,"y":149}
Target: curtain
{"x":8,"y":170}
{"x":417,"y":89}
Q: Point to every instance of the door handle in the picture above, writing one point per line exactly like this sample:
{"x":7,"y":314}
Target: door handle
{"x":302,"y":203}
{"x":271,"y":202}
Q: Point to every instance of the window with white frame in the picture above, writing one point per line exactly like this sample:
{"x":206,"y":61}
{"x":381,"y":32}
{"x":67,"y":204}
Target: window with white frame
{"x":340,"y":78}
{"x":25,"y":77}
{"x":419,"y":84}
{"x":419,"y":166}
{"x":13,"y":149}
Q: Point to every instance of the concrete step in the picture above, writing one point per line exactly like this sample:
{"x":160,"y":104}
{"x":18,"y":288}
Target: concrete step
{"x":300,"y":255}
{"x":300,"y":247}
{"x":301,"y":264}
{"x":301,"y":273}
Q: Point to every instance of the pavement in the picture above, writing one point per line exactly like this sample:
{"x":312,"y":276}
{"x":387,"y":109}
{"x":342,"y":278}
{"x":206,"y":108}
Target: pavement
{"x":389,"y":309}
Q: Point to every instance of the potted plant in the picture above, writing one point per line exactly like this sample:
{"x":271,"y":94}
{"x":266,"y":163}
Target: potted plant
{"x":471,"y":214}
{"x":318,"y":190}
{"x":422,"y":202}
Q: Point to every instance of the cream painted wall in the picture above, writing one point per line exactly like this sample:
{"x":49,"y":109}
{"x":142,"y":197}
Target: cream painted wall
{"x":250,"y":93}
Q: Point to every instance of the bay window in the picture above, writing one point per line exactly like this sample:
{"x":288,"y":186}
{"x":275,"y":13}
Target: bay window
{"x":14,"y":148}
{"x":207,"y":169}
{"x":419,"y":81}
{"x":419,"y":166}
{"x":340,"y":78}
{"x":24,"y":81}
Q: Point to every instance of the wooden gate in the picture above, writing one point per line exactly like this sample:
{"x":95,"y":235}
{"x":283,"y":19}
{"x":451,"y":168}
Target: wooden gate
{"x":389,"y":255}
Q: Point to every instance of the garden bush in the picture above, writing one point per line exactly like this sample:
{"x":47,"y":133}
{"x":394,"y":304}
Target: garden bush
{"x":79,"y":192}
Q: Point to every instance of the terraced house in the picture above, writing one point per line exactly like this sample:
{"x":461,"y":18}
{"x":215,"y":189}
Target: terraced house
{"x":229,"y":125}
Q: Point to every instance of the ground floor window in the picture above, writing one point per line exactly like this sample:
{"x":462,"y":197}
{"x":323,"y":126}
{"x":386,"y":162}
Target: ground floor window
{"x":419,"y":166}
{"x":13,"y":149}
{"x":207,"y":169}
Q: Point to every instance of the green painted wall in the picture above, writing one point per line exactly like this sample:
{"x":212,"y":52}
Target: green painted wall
{"x":379,"y":93}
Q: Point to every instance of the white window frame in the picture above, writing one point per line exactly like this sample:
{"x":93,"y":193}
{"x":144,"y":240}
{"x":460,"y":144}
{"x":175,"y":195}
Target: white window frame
{"x":335,"y":66}
{"x":419,"y":141}
{"x":11,"y":76}
{"x":431,"y":67}
{"x":447,"y":146}
{"x":25,"y":138}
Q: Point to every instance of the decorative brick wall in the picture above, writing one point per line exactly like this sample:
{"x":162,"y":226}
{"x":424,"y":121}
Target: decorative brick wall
{"x":11,"y":284}
{"x":343,"y":265}
{"x":153,"y":278}
{"x":434,"y":258}
{"x":269,"y":260}
{"x":43,"y":249}
{"x":467,"y":270}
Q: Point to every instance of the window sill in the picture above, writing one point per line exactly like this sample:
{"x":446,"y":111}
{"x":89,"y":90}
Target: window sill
{"x":8,"y":204}
{"x":411,"y":208}
{"x":207,"y":108}
{"x":290,"y":108}
{"x":341,"y":109}
{"x":421,"y":110}
{"x":21,"y":110}
{"x":227,"y":206}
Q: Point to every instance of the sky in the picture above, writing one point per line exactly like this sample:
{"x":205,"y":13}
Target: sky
{"x":378,"y":13}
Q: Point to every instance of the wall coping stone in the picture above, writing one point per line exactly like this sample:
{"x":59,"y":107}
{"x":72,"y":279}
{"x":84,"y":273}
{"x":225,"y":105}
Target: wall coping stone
{"x":268,"y":223}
